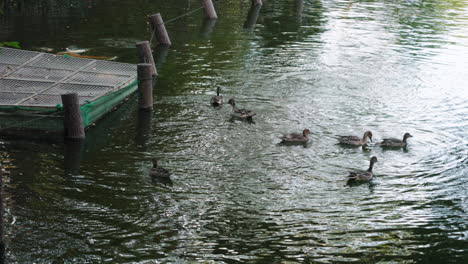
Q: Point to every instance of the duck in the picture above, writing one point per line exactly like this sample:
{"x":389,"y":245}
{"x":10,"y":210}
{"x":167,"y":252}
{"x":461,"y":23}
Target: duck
{"x":394,"y":142}
{"x":217,"y":100}
{"x":158,"y":172}
{"x":296,"y":137}
{"x":240,"y":113}
{"x":362,"y":176}
{"x":354,"y":140}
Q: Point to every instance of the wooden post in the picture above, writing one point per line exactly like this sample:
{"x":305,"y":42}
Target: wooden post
{"x":146,"y":55}
{"x":252,"y":16}
{"x":72,"y":122}
{"x":210,"y":11}
{"x":145,"y":87}
{"x":257,"y":2}
{"x":159,"y":29}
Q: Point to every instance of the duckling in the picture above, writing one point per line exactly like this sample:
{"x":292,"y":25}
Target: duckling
{"x":240,"y":113}
{"x":394,"y":142}
{"x":217,"y":100}
{"x":354,"y":140}
{"x":296,"y":137}
{"x":157,"y":172}
{"x":363,"y":175}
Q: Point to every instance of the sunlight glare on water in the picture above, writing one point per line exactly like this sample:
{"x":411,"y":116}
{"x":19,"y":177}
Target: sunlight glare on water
{"x":335,"y":67}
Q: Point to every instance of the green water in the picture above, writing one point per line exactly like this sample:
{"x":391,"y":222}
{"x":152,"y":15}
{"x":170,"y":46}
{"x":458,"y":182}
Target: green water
{"x":237,"y":196}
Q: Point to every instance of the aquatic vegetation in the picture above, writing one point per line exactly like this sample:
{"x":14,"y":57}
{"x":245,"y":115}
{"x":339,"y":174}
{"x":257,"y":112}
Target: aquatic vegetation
{"x":10,"y":44}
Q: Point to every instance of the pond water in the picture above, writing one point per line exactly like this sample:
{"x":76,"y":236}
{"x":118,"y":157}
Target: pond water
{"x":237,"y":196}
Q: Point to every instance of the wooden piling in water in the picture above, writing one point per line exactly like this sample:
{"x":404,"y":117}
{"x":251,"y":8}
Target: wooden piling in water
{"x":209,"y":9}
{"x":145,"y":87}
{"x":72,"y":121}
{"x":159,"y":29}
{"x":145,"y":55}
{"x":257,"y":2}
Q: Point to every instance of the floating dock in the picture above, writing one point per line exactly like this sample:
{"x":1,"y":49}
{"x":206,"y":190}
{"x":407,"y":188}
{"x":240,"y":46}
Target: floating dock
{"x":31,"y":85}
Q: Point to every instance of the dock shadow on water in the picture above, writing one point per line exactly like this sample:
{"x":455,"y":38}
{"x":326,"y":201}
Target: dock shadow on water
{"x":337,"y":67}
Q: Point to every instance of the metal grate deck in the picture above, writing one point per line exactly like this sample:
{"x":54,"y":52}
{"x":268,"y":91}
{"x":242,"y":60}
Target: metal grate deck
{"x":35,"y":79}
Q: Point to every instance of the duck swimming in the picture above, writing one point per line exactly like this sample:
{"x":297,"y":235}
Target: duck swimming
{"x":240,"y":113}
{"x":354,"y":140}
{"x":296,"y":137}
{"x":394,"y":142}
{"x":217,"y":100}
{"x":158,"y":172}
{"x":363,"y":175}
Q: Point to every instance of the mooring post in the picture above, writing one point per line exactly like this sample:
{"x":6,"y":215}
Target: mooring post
{"x":72,"y":121}
{"x":145,"y":55}
{"x":257,"y":2}
{"x":145,"y":87}
{"x":210,"y":11}
{"x":158,"y":27}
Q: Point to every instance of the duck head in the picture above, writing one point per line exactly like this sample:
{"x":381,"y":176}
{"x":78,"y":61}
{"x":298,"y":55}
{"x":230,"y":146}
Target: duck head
{"x":155,"y":163}
{"x":368,"y":134}
{"x":306,"y":132}
{"x":372,"y":161}
{"x":231,"y":102}
{"x":406,"y":136}
{"x":218,"y":90}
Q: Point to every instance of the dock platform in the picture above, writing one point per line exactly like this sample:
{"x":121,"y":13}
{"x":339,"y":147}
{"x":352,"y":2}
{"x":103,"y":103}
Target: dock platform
{"x":31,"y":85}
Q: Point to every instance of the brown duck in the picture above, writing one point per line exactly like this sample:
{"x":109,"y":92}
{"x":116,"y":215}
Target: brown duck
{"x":394,"y":142}
{"x":240,"y":113}
{"x":296,"y":137}
{"x":354,"y":140}
{"x":158,"y":172}
{"x":217,"y":100}
{"x":363,"y":175}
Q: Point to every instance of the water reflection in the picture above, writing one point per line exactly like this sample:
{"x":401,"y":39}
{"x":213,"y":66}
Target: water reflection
{"x":236,"y":196}
{"x":252,"y":16}
{"x":2,"y":221}
{"x":143,"y":128}
{"x":72,"y":156}
{"x":207,"y":27}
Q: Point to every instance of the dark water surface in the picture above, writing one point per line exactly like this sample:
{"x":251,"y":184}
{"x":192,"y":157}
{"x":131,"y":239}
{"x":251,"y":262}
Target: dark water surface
{"x":335,"y":67}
